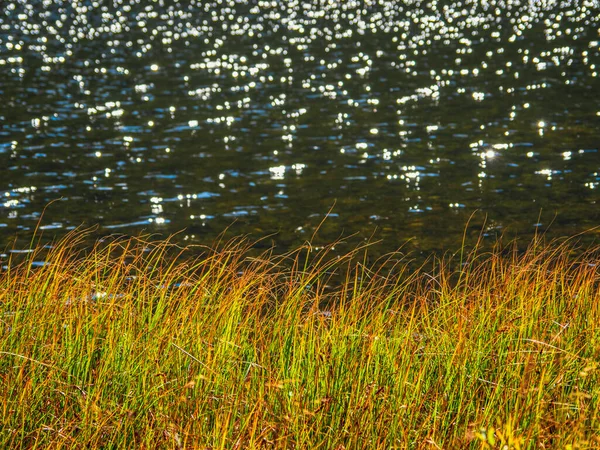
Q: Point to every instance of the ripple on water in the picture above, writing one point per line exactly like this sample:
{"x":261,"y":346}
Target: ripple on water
{"x":269,"y":113}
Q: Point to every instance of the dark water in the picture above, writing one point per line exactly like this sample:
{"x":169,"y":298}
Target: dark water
{"x":405,"y":116}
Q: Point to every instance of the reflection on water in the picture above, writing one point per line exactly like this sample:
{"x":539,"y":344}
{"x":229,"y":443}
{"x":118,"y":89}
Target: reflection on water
{"x":407,"y":115}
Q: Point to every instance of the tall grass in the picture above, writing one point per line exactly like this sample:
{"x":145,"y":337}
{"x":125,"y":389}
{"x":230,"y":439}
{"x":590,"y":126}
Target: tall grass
{"x":138,"y":344}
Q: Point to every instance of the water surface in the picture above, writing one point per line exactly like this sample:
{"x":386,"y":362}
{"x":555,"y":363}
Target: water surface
{"x":405,"y":117}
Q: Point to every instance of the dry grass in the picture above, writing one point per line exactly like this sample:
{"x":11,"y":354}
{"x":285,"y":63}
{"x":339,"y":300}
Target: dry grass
{"x":135,"y":344}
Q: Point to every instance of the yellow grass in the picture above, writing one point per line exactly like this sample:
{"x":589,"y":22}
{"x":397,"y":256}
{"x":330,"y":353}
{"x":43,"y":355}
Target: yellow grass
{"x":137,"y":344}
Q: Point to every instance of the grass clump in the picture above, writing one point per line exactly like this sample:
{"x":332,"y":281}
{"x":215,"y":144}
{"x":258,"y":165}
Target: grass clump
{"x":135,"y":344}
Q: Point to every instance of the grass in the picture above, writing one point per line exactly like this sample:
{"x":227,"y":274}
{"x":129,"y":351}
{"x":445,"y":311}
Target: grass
{"x":137,"y":344}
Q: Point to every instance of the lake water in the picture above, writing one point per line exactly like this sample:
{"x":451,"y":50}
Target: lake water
{"x":400,"y":118}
